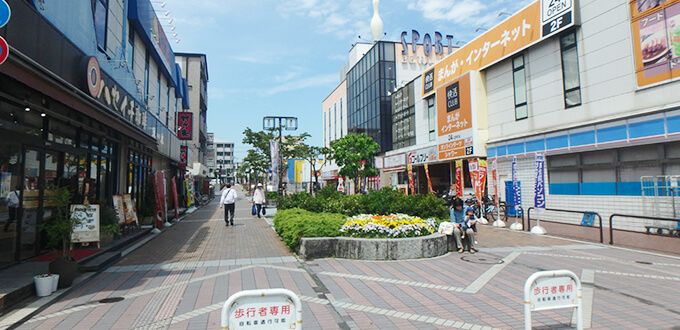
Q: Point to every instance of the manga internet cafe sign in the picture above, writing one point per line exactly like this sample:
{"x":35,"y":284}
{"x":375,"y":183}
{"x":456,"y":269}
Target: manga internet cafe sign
{"x":535,"y":23}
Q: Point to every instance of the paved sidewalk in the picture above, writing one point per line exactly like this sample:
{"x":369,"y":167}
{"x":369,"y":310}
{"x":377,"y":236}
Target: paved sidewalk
{"x":181,"y":278}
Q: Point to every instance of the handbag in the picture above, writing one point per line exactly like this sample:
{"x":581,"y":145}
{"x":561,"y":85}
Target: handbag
{"x":264,"y":210}
{"x":446,"y":228}
{"x":254,"y":212}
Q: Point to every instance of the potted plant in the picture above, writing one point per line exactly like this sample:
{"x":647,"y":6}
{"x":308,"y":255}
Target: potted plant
{"x":59,"y":230}
{"x":43,"y":284}
{"x":109,"y":227}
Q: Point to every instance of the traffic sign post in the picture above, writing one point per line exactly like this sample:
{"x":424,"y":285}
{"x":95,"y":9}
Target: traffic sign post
{"x":262,"y":309}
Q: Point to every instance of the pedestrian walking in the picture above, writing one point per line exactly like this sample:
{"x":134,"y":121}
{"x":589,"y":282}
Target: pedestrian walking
{"x":228,"y":200}
{"x":259,"y":199}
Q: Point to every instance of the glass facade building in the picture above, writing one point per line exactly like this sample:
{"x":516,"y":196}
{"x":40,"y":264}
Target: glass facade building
{"x":369,"y":85}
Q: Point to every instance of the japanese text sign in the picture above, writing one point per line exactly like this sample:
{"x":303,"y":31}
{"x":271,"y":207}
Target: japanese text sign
{"x":185,"y":125}
{"x":262,"y":309}
{"x":505,"y":39}
{"x":455,"y":119}
{"x":539,"y":186}
{"x":551,"y":290}
{"x":656,"y":41}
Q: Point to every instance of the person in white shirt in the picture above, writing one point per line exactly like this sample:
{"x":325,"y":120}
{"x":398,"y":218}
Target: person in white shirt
{"x":229,"y":201}
{"x":259,"y":199}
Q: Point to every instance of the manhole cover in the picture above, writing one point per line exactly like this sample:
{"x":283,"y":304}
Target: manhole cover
{"x":111,"y":300}
{"x":644,"y":262}
{"x":482,"y":260}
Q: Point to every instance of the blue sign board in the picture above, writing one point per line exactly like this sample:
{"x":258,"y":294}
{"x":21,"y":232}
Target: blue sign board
{"x":5,"y":13}
{"x":539,"y":186}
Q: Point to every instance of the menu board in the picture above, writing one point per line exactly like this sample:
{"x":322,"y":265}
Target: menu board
{"x":86,"y":228}
{"x":125,"y":209}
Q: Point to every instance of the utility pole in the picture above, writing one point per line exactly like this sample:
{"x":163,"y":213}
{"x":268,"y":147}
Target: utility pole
{"x":279,"y":123}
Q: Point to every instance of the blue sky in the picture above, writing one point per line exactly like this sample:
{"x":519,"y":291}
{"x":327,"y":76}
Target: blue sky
{"x":282,"y":58}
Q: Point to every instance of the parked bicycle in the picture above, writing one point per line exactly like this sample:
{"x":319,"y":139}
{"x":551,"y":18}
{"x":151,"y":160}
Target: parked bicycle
{"x":492,"y":212}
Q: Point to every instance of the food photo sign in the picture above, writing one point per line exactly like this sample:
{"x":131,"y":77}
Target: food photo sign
{"x":656,"y":40}
{"x":86,"y":229}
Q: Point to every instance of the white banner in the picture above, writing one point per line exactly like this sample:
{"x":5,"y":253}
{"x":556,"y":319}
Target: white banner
{"x":274,"y":154}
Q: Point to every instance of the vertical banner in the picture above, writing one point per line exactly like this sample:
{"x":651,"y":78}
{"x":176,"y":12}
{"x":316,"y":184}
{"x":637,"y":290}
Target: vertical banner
{"x":183,"y":156}
{"x":516,"y":193}
{"x":481,"y":180}
{"x":185,"y":122}
{"x":473,"y":169}
{"x":429,"y":182}
{"x":410,"y":178}
{"x":274,"y":155}
{"x":495,"y":181}
{"x":173,"y":186}
{"x":159,"y":189}
{"x":539,"y":186}
{"x":459,"y":178}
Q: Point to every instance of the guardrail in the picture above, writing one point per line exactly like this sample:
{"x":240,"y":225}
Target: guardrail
{"x":570,"y":211}
{"x":611,"y":227}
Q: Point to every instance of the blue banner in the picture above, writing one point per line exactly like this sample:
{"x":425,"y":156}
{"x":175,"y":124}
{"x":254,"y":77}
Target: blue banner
{"x":516,"y":190}
{"x":539,"y":185}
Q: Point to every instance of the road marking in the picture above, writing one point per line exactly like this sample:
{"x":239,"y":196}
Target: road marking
{"x":483,"y":279}
{"x":625,"y":261}
{"x":391,"y":280}
{"x":655,"y":277}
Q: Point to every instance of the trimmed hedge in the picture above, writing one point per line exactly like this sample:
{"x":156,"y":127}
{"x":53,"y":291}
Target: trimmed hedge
{"x":384,"y":201}
{"x":293,"y":224}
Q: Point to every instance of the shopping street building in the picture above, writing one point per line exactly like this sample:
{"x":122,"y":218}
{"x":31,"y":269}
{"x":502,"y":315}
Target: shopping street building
{"x":89,"y":97}
{"x":590,"y":86}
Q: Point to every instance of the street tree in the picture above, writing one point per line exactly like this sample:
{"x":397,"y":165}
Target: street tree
{"x":312,"y":155}
{"x":354,"y":155}
{"x":258,"y":158}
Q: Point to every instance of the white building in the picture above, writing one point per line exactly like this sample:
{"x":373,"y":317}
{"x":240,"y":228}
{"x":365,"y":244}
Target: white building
{"x":224,"y":160}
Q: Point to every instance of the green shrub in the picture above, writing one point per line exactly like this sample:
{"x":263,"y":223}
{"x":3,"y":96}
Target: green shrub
{"x":383,"y":202}
{"x":294,"y":224}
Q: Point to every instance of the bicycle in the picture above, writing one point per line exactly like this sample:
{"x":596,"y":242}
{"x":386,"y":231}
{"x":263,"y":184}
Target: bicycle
{"x":492,"y":212}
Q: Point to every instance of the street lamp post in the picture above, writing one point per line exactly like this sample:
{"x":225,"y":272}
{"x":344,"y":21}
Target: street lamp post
{"x":280,"y":123}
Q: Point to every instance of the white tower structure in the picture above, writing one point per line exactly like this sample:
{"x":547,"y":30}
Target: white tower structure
{"x":376,"y":22}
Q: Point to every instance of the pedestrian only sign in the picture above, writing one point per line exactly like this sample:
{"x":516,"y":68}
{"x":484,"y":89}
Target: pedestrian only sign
{"x":262,"y":309}
{"x":551,"y":290}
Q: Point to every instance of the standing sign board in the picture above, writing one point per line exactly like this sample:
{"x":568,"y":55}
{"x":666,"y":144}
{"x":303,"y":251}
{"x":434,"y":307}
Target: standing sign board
{"x":262,"y":309}
{"x":86,"y":229}
{"x":125,"y":209}
{"x":551,"y":290}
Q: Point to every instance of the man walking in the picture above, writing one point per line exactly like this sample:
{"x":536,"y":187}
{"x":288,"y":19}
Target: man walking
{"x":259,"y":199}
{"x":229,"y":201}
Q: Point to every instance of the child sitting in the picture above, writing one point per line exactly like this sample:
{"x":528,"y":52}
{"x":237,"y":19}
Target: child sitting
{"x":470,"y":222}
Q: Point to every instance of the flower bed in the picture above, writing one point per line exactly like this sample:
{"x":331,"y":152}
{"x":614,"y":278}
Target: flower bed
{"x":387,"y":226}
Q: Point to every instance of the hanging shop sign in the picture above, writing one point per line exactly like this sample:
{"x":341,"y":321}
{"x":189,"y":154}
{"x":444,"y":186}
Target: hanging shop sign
{"x":5,"y":14}
{"x":107,"y":92}
{"x":423,"y":156}
{"x":183,"y":155}
{"x":185,"y":122}
{"x":536,"y":22}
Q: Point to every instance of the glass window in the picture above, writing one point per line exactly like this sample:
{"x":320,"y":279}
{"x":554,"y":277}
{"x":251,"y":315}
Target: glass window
{"x":570,"y":70}
{"x":519,"y":83}
{"x":158,"y":94}
{"x":131,"y":48}
{"x":432,"y":118}
{"x":100,"y":10}
{"x":146,"y":79}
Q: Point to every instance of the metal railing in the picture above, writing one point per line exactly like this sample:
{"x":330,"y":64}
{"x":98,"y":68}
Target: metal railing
{"x":611,"y":227}
{"x":570,"y":211}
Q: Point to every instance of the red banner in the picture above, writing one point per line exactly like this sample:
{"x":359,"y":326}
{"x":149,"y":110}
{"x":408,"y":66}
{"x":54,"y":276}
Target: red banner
{"x":459,"y":178}
{"x":173,"y":185}
{"x":410,"y":179}
{"x":473,"y":169}
{"x":429,"y":182}
{"x":159,"y":190}
{"x":185,"y":125}
{"x":183,"y":155}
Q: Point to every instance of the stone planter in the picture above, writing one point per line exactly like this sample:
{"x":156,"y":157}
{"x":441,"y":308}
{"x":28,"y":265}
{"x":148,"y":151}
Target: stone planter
{"x":67,"y":270}
{"x":429,"y":246}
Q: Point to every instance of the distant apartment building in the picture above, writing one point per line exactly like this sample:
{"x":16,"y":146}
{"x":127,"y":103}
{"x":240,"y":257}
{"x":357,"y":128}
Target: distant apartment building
{"x":224,"y":160}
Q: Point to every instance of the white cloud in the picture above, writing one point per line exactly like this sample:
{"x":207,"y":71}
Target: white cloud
{"x":316,"y":81}
{"x":329,"y":16}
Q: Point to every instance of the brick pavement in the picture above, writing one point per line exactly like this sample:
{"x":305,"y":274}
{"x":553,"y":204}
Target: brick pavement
{"x":180,"y":279}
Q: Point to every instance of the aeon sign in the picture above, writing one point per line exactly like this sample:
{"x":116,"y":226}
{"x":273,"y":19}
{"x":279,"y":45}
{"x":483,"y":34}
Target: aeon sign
{"x":425,"y":56}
